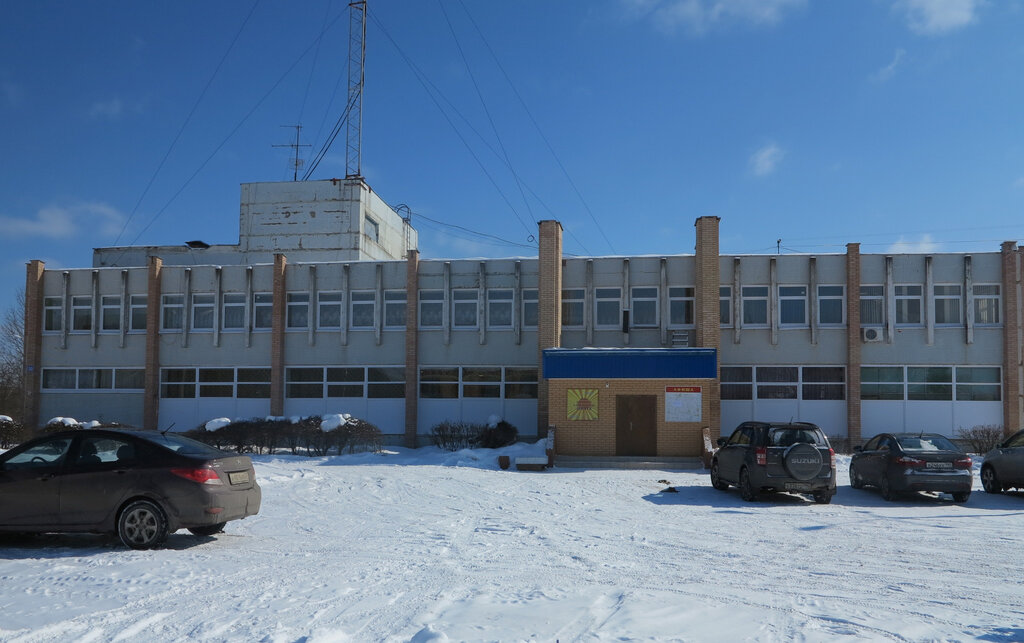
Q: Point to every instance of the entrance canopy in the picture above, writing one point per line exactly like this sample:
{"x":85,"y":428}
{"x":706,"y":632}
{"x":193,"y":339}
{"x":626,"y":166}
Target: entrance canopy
{"x":630,"y":363}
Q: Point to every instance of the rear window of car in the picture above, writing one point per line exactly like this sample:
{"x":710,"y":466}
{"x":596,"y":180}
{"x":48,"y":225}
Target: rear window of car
{"x":184,"y":446}
{"x":926,"y":443}
{"x":788,"y":436}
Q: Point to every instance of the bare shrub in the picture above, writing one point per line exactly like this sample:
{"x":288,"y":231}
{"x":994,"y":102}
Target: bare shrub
{"x":12,"y":433}
{"x":981,"y":438}
{"x":452,"y":436}
{"x":358,"y":435}
{"x":494,"y":437}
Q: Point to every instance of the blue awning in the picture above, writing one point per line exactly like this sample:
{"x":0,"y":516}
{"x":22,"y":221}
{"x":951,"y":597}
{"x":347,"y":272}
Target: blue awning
{"x":630,"y":363}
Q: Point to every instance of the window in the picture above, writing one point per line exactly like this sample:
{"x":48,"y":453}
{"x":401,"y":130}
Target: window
{"x":947,"y":304}
{"x":59,"y":378}
{"x":881,"y":383}
{"x":725,"y":305}
{"x":929,"y":383}
{"x":329,"y":309}
{"x":776,"y":382}
{"x":172,"y":312}
{"x":394,"y":308}
{"x":53,"y":313}
{"x":372,"y":228}
{"x":304,"y":382}
{"x":345,"y":382}
{"x":253,"y":383}
{"x":645,"y":306}
{"x":431,"y":308}
{"x":823,"y":383}
{"x":572,"y":308}
{"x":520,"y":383}
{"x":81,"y":313}
{"x":986,"y":304}
{"x":464,"y":308}
{"x":872,"y":303}
{"x":530,"y":308}
{"x":439,"y":383}
{"x":216,"y":382}
{"x":178,"y":383}
{"x":831,"y":305}
{"x":681,"y":306}
{"x":792,"y":305}
{"x":978,"y":383}
{"x":737,"y":383}
{"x":481,"y":382}
{"x":137,"y":312}
{"x":908,"y":305}
{"x":385,"y":382}
{"x":262,"y":310}
{"x":499,"y":308}
{"x":130,"y":379}
{"x":755,"y":305}
{"x":202,"y":311}
{"x":233,"y":311}
{"x":363,"y":309}
{"x":93,"y":378}
{"x":297,"y":314}
{"x":110,"y":312}
{"x":607,"y":303}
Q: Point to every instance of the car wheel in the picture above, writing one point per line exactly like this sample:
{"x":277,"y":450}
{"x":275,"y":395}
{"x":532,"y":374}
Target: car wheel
{"x":746,"y":489}
{"x":716,"y":480}
{"x":855,"y":480}
{"x":990,"y":481}
{"x":823,"y":497}
{"x":883,"y":486}
{"x":207,"y":530}
{"x":961,"y":497}
{"x":142,"y":525}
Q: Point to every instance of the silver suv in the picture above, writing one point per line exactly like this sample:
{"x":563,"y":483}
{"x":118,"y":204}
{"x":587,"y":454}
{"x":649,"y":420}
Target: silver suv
{"x":776,"y":456}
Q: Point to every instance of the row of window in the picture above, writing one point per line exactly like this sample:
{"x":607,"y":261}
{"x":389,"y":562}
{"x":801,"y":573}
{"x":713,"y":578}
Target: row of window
{"x":783,"y":382}
{"x":91,"y":379}
{"x":947,"y":308}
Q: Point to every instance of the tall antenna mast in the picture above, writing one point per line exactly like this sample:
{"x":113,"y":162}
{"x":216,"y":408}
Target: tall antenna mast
{"x":356,"y":59}
{"x":296,"y":161}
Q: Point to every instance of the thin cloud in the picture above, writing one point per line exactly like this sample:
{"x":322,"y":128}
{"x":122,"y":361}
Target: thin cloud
{"x":701,"y":16}
{"x":107,"y":109}
{"x":58,"y":222}
{"x":887,"y":72}
{"x":924,"y":245}
{"x":765,"y":160}
{"x":938,"y":17}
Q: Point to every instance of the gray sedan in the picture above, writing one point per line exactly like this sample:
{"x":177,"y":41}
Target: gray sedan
{"x":1003,"y":467}
{"x":895,"y":462}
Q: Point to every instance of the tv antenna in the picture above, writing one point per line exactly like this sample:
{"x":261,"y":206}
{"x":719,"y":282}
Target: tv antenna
{"x":296,"y":162}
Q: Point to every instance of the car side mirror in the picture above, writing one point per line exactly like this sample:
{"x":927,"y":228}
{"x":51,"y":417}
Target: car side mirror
{"x":722,"y":441}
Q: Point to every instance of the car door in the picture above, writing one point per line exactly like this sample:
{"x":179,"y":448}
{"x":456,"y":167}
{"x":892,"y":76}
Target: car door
{"x":731,"y":455}
{"x":1012,"y":454}
{"x":30,"y":484}
{"x":100,"y":475}
{"x":874,"y":455}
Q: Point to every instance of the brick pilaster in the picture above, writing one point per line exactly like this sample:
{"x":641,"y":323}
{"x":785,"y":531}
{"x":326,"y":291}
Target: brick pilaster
{"x":853,"y":359}
{"x":707,"y":317}
{"x":549,"y":309}
{"x":277,"y":336}
{"x":412,"y":359}
{"x":32,"y":343}
{"x":1011,"y":258}
{"x":151,"y":396}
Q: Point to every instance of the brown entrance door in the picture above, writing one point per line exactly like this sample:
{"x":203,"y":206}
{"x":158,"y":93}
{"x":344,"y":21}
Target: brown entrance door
{"x":636,"y":432}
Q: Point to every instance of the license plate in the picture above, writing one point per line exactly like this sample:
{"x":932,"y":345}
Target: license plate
{"x":938,"y":465}
{"x":238,"y":477}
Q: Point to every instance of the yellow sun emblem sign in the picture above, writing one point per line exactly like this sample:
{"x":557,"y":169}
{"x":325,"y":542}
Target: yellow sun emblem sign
{"x":582,"y":404}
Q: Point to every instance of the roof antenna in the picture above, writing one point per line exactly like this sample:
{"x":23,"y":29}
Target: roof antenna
{"x":164,"y":432}
{"x":778,"y":246}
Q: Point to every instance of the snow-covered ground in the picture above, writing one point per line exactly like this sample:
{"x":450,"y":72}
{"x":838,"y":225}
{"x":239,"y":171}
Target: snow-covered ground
{"x":430,"y":546}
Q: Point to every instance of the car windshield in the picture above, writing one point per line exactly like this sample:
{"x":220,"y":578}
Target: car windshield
{"x":183,"y":445}
{"x":926,"y":443}
{"x":788,"y":436}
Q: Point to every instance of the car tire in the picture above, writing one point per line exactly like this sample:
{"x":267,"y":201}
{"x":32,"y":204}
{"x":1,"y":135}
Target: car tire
{"x":883,"y":486}
{"x":823,"y":497}
{"x":747,"y":491}
{"x":990,"y":481}
{"x":855,"y":480}
{"x":207,"y":530}
{"x":961,"y":497}
{"x":716,"y":479}
{"x":142,"y":525}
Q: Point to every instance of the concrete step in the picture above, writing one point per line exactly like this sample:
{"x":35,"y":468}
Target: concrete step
{"x":626,"y":462}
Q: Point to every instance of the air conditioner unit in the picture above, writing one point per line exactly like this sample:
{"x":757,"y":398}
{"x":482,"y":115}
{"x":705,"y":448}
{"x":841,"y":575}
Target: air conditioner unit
{"x":871,"y":334}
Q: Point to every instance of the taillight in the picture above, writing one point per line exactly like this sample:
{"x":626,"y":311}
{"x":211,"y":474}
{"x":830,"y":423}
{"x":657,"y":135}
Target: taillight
{"x":832,"y":458}
{"x":762,"y":455}
{"x":963,"y":463}
{"x":201,"y":475}
{"x":910,"y":463}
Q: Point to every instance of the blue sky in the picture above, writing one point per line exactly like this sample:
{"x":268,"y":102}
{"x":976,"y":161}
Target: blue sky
{"x":893,"y":123}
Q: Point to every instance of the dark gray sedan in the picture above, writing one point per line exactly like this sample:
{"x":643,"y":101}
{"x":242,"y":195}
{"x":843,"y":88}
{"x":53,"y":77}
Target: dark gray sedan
{"x":140,"y":485}
{"x":895,"y":462}
{"x":1003,"y":466}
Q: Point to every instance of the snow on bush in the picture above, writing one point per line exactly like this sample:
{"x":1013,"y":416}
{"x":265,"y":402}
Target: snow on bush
{"x":217,"y":423}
